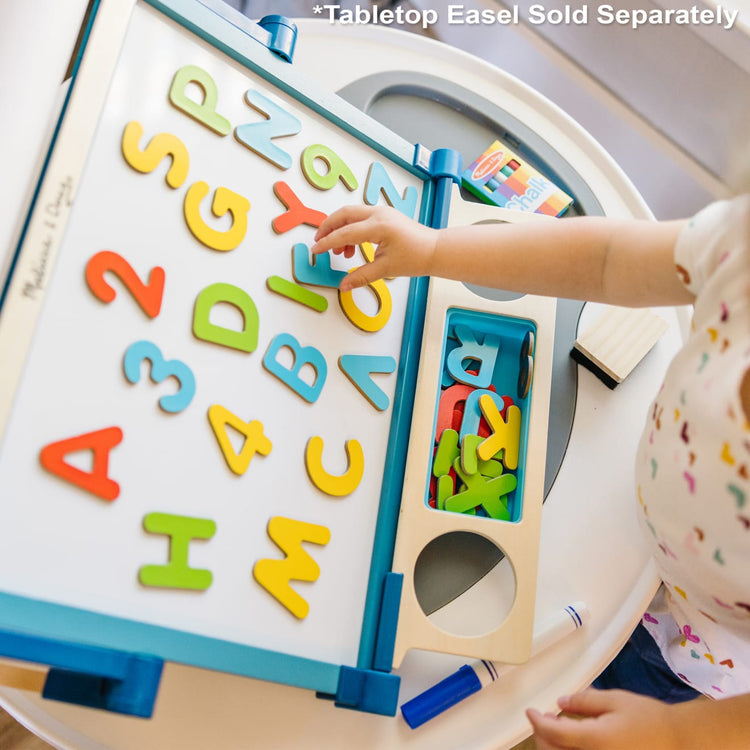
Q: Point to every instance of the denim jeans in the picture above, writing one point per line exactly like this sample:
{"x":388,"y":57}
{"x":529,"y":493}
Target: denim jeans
{"x":640,"y":668}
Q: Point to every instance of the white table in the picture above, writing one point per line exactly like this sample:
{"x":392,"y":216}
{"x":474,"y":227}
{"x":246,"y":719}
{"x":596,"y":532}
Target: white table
{"x":591,"y":547}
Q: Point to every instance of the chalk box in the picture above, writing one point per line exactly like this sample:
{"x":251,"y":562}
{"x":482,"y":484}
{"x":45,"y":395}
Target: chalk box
{"x":501,"y":177}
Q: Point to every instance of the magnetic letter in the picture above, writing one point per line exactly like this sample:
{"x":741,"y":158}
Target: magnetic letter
{"x":97,"y":481}
{"x":160,"y":146}
{"x":359,"y":368}
{"x":245,"y":340}
{"x":278,"y":124}
{"x":471,"y":351}
{"x":506,"y":433}
{"x":369,"y":323}
{"x":303,"y":355}
{"x":290,"y":290}
{"x":336,"y":168}
{"x":447,"y":451}
{"x":225,"y":201}
{"x":343,"y":484}
{"x":491,"y":494}
{"x":315,"y":270}
{"x":205,"y":112}
{"x":177,"y":574}
{"x":472,"y":422}
{"x":451,"y":399}
{"x":378,"y":182}
{"x":297,"y":212}
{"x":275,"y":575}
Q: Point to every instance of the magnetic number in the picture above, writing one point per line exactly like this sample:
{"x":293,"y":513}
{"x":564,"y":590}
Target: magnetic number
{"x":148,"y":295}
{"x":161,"y":369}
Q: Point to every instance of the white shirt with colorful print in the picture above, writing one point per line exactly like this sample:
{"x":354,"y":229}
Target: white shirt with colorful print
{"x":694,"y":461}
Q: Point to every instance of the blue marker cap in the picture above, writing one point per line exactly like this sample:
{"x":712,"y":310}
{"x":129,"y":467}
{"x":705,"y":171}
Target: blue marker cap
{"x":440,"y":697}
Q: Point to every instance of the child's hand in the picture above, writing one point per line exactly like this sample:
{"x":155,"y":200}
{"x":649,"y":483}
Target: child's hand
{"x":404,"y":247}
{"x":613,"y":720}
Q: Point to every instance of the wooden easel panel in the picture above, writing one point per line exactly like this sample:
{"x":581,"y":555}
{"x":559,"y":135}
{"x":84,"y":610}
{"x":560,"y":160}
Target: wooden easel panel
{"x":421,"y":524}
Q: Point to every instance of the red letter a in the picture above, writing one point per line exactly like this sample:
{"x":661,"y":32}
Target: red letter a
{"x":96,"y":481}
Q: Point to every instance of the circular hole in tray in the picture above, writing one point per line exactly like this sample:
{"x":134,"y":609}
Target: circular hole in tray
{"x":450,"y":563}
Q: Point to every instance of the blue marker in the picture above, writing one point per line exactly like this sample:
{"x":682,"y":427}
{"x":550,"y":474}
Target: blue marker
{"x":471,"y":678}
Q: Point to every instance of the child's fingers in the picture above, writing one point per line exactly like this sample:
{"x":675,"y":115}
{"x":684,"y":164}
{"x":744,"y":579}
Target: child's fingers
{"x":341,"y":217}
{"x":590,"y":702}
{"x":555,"y":732}
{"x":347,"y":250}
{"x":346,"y":235}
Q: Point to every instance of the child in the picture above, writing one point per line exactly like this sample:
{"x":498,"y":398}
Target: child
{"x":693,"y":461}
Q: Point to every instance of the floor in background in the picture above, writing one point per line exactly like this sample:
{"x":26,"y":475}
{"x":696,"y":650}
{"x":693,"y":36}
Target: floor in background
{"x":15,"y":737}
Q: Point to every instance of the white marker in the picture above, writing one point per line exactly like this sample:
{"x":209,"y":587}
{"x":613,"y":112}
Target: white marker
{"x":471,"y":678}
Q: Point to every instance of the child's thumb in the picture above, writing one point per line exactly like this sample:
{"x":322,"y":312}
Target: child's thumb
{"x":362,"y":276}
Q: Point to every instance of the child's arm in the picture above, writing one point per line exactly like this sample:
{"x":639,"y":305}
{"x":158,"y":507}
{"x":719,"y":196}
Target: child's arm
{"x":618,"y":720}
{"x":622,"y":262}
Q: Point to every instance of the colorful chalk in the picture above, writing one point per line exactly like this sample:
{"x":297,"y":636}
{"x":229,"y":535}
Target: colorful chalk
{"x":501,"y":177}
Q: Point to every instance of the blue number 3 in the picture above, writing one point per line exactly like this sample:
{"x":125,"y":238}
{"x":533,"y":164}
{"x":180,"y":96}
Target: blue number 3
{"x":160,"y":371}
